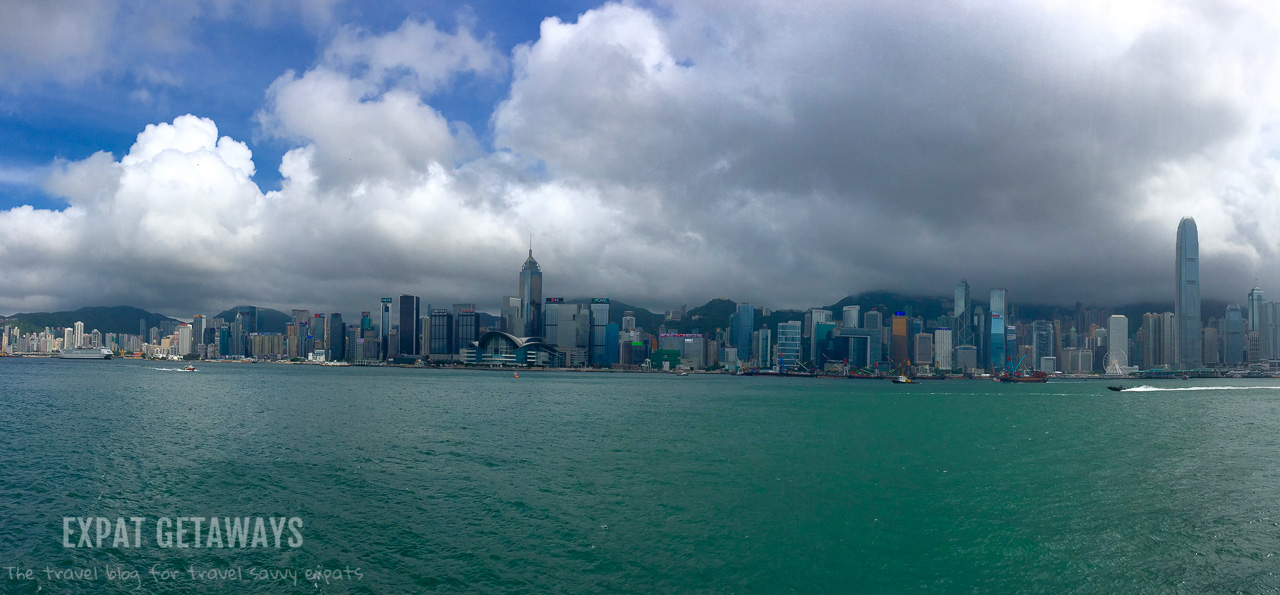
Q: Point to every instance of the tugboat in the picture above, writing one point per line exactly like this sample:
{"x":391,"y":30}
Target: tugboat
{"x":902,"y":380}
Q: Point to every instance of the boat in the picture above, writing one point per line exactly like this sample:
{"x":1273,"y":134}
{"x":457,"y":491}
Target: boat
{"x":902,"y":380}
{"x":85,"y":353}
{"x":335,"y":364}
{"x":683,"y":374}
{"x":189,"y":368}
{"x":1034,"y":377}
{"x":1117,"y":388}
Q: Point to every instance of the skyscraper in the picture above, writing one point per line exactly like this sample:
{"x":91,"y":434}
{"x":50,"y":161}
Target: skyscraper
{"x":1256,"y":299}
{"x":384,"y":345}
{"x":962,"y":333}
{"x":1233,"y":341}
{"x":997,"y":347}
{"x":1186,"y":301}
{"x":744,"y":322}
{"x":410,"y":329}
{"x":530,"y":297}
{"x":337,"y":338}
{"x":849,"y":316}
{"x":597,"y":354}
{"x":1118,"y":342}
{"x":789,"y":345}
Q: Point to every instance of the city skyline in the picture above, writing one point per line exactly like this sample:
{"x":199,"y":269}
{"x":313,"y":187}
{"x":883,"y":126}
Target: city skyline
{"x":662,"y":154}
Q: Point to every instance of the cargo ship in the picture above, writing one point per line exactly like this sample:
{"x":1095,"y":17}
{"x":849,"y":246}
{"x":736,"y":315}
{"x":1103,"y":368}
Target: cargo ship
{"x":91,"y":353}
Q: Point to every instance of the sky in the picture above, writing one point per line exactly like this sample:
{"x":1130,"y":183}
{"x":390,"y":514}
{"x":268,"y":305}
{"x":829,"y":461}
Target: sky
{"x":184,"y":157}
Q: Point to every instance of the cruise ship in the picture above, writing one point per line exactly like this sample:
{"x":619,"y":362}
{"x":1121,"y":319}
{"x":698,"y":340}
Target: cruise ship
{"x":93,"y":353}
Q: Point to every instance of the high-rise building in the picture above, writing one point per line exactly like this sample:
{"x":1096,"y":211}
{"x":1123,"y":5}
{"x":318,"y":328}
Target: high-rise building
{"x":384,"y":344}
{"x":942,"y":349}
{"x":628,"y":321}
{"x":197,"y":330}
{"x":1118,"y":342}
{"x":337,"y":338}
{"x":1186,"y":304}
{"x":530,"y":297}
{"x":849,"y":316}
{"x":742,"y":326}
{"x":898,"y":346}
{"x":789,"y":345}
{"x":466,"y":326}
{"x":962,"y":312}
{"x":763,"y":346}
{"x":999,"y":359}
{"x":597,"y":353}
{"x":1256,"y":299}
{"x":441,"y":333}
{"x":1042,"y":343}
{"x":815,"y":317}
{"x":923,"y":349}
{"x":410,"y":326}
{"x":511,"y":321}
{"x":1233,"y":341}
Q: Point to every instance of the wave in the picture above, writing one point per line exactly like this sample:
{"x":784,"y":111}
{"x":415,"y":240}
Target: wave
{"x":1148,"y":388}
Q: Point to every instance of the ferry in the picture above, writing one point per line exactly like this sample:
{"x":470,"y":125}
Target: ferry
{"x":86,"y":353}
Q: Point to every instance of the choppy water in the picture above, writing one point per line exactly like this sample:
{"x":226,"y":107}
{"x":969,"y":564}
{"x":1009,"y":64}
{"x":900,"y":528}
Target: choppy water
{"x":557,"y":482}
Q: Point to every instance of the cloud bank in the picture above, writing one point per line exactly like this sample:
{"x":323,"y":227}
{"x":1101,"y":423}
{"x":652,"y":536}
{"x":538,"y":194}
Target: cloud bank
{"x":781,"y":154}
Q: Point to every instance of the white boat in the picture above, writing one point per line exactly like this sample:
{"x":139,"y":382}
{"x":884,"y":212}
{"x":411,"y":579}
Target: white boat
{"x":902,"y":380}
{"x":86,"y":353}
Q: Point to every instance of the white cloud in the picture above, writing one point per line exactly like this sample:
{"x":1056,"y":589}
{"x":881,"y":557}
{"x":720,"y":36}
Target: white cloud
{"x":782,"y":153}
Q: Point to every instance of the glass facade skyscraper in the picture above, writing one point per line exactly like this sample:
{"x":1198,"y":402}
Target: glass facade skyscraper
{"x":597,"y":350}
{"x":1186,"y":304}
{"x":410,"y":326}
{"x":997,"y":346}
{"x":743,"y":324}
{"x":531,"y":297}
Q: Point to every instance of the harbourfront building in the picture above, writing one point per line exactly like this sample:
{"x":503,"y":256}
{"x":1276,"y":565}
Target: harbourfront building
{"x":1186,"y":305}
{"x":789,"y":346}
{"x":741,"y":327}
{"x":410,"y":326}
{"x":997,"y":331}
{"x":1118,"y":343}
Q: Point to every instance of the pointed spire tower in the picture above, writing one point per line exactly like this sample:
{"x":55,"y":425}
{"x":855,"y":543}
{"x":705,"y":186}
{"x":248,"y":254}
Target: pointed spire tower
{"x":531,"y":295}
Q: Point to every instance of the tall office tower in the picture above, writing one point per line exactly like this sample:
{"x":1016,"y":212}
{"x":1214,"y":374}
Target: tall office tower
{"x":1256,"y":299}
{"x":248,"y":320}
{"x":366,"y":322}
{"x":962,"y":312}
{"x":873,"y":320}
{"x":184,"y":338}
{"x":1211,"y":346}
{"x":1042,"y":342}
{"x":465,"y":330}
{"x":530,"y":297}
{"x":1118,"y":342}
{"x":898,"y":341}
{"x":923,"y":349}
{"x":814,"y":318}
{"x":142,"y":328}
{"x":78,"y":337}
{"x":511,"y":321}
{"x":789,"y":345}
{"x":744,"y":322}
{"x":997,"y":348}
{"x":320,"y":333}
{"x":1186,"y":302}
{"x":1269,"y":331}
{"x":597,"y":354}
{"x":628,"y":320}
{"x":551,"y":320}
{"x":337,"y":338}
{"x":1233,"y":341}
{"x":197,"y":329}
{"x":441,"y":332}
{"x":410,"y":326}
{"x":942,"y":349}
{"x":384,"y":345}
{"x":763,"y":347}
{"x":849,"y":316}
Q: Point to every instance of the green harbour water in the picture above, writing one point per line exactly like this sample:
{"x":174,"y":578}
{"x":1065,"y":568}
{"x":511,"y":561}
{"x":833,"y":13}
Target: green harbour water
{"x":475,"y":481}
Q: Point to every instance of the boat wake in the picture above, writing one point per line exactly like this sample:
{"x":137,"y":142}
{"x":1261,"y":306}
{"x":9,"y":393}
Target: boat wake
{"x":1146,"y":388}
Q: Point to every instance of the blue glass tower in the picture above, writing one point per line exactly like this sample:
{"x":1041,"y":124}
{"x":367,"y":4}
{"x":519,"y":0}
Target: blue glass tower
{"x":997,"y":348}
{"x":1186,"y":305}
{"x":743,"y":324}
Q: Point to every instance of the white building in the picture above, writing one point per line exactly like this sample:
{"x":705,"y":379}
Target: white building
{"x":942,"y":349}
